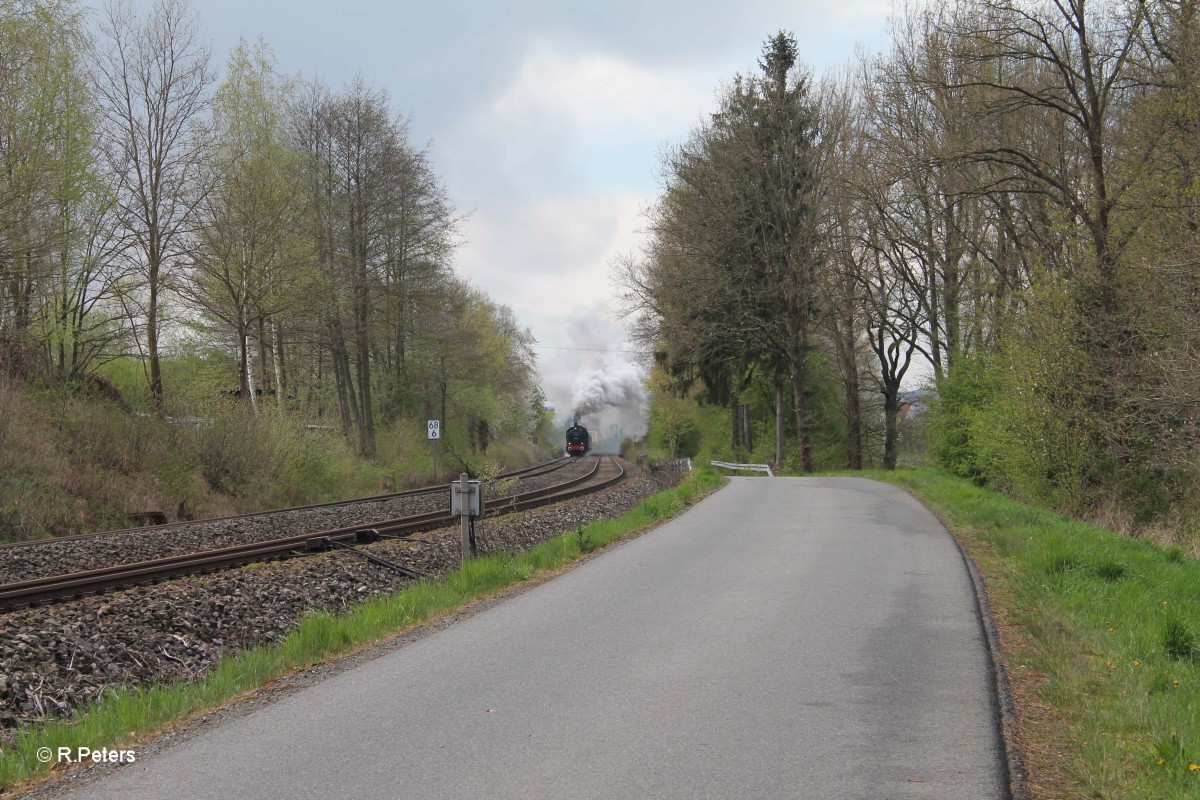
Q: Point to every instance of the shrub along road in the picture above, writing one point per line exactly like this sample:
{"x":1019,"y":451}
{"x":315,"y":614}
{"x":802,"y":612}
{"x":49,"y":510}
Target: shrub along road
{"x":787,"y":637}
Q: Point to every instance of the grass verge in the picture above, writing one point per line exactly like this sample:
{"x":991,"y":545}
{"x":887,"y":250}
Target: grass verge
{"x":121,"y":715}
{"x":1101,"y":635}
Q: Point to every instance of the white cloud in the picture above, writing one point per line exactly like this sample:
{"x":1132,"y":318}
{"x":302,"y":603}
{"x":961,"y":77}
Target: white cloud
{"x":605,"y":93}
{"x":551,"y":254}
{"x":557,"y":164}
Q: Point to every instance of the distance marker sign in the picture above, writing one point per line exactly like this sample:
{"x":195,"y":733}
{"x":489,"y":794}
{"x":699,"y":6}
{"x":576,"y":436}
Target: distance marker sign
{"x":435,"y":429}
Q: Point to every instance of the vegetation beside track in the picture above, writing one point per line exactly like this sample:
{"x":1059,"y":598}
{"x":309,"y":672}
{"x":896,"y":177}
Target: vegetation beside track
{"x":71,"y":464}
{"x":1101,"y":635}
{"x":123,"y":717}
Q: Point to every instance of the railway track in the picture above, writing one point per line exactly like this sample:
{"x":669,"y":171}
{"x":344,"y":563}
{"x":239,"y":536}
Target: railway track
{"x":48,"y":557}
{"x":527,"y":472}
{"x":606,"y":471}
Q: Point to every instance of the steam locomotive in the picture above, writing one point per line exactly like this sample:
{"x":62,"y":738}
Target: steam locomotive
{"x":578,"y":441}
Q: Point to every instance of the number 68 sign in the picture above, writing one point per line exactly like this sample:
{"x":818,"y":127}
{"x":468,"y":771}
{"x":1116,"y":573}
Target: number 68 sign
{"x":435,"y":429}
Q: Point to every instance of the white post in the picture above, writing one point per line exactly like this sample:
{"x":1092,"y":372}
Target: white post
{"x":464,"y":510}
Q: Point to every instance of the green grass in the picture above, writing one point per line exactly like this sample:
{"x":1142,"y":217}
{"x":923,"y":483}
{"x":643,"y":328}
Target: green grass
{"x":121,"y":715}
{"x":1109,"y":625}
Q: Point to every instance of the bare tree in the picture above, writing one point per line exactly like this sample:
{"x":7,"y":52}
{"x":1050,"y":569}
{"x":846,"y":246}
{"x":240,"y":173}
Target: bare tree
{"x":418,"y":236}
{"x":383,"y":233}
{"x":1072,"y":65}
{"x":152,"y":81}
{"x":843,"y":321}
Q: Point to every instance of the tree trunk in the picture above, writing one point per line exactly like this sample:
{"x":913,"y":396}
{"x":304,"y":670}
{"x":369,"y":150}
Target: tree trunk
{"x":280,"y":387}
{"x":64,"y":315}
{"x":778,"y":427}
{"x":243,"y":364}
{"x":156,"y":386}
{"x":747,"y":436}
{"x":854,"y":435}
{"x":443,"y":394}
{"x":735,"y":424}
{"x":952,"y":286}
{"x":366,"y":430}
{"x":263,"y":380}
{"x":341,"y":374}
{"x":362,"y":341}
{"x":802,"y":422}
{"x":250,"y":375}
{"x":891,"y":414}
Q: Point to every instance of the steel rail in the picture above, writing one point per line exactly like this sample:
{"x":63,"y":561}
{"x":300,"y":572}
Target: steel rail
{"x":61,"y":587}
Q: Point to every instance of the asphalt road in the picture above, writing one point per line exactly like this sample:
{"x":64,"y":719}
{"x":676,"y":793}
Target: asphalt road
{"x":799,"y":638}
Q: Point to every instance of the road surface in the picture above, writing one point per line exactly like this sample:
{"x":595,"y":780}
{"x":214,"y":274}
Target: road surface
{"x":803,"y":638}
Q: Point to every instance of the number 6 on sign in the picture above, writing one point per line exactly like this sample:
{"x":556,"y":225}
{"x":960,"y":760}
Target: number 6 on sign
{"x":435,"y":429}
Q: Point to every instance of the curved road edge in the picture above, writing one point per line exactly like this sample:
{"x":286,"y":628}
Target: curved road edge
{"x":1004,"y":705}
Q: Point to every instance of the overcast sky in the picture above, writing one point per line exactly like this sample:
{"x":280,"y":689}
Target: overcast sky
{"x":544,"y":119}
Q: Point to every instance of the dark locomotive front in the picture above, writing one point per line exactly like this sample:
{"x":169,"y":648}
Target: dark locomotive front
{"x":578,"y":442}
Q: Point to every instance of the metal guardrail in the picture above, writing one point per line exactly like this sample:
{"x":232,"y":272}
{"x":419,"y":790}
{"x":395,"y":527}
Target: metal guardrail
{"x":748,"y":467}
{"x":678,"y":465}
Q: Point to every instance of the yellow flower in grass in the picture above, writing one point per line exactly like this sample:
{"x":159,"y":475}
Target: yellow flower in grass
{"x":1162,"y":761}
{"x":1193,"y":767}
{"x":1137,"y":663}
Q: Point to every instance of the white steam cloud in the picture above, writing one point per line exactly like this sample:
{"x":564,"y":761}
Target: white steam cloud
{"x":596,"y":381}
{"x":616,"y":383}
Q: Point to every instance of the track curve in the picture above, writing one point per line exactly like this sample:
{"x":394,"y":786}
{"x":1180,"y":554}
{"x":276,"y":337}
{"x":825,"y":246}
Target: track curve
{"x":605,"y":472}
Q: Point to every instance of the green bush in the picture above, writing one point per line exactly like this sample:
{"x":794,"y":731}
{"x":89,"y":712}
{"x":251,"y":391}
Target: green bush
{"x":240,"y":453}
{"x":964,"y":397}
{"x":1019,"y":419}
{"x":323,"y":467}
{"x":675,"y":426}
{"x":688,"y":426}
{"x":103,"y":434}
{"x":829,"y":432}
